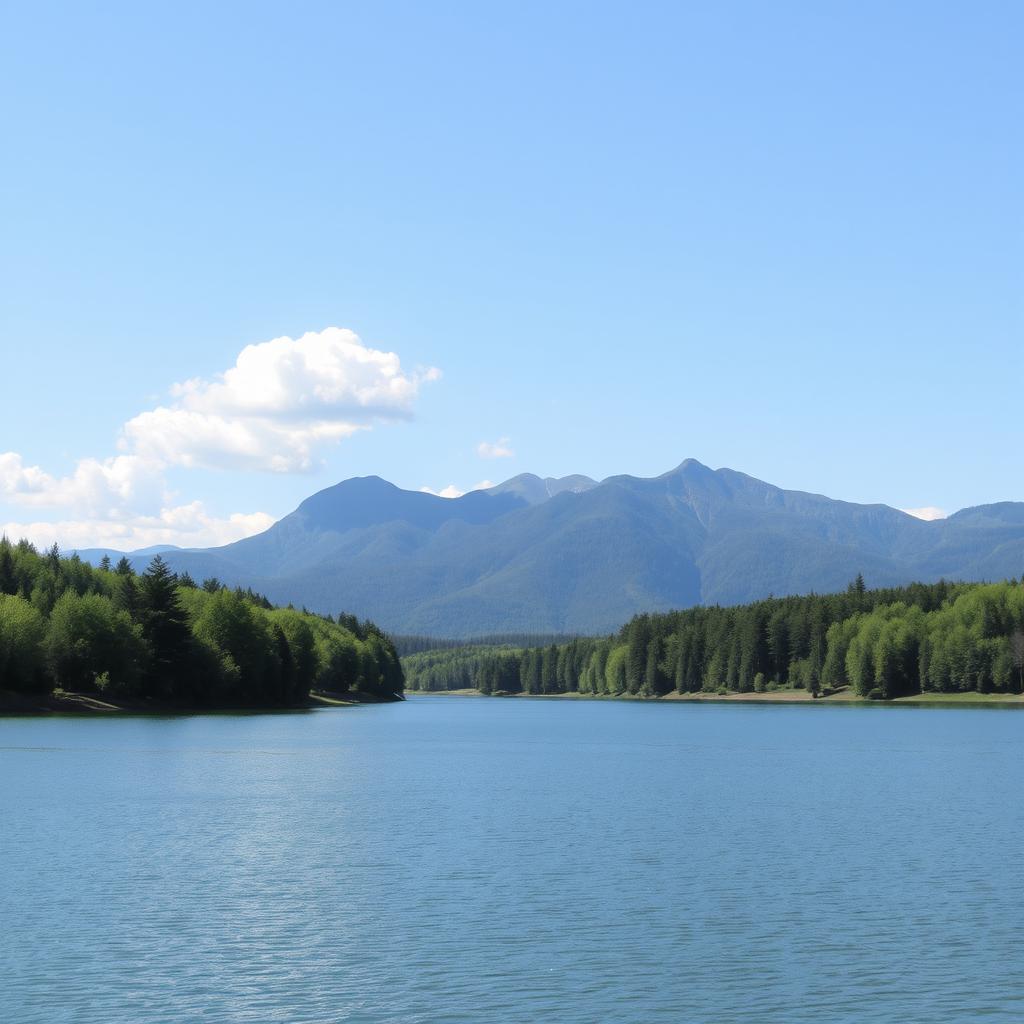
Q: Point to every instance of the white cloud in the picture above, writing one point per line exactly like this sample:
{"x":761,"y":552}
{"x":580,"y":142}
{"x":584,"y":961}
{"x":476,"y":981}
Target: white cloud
{"x":120,"y":502}
{"x":929,"y":513}
{"x":451,"y":491}
{"x":280,"y":403}
{"x":95,"y":487}
{"x":195,"y":439}
{"x":185,"y":525}
{"x":277,"y":408}
{"x":499,"y":449}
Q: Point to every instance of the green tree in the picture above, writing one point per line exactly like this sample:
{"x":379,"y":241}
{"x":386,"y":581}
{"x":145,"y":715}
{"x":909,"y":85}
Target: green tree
{"x":239,"y":637}
{"x":615,"y":670}
{"x":166,"y":629}
{"x":1017,"y":656}
{"x":639,"y":637}
{"x":654,"y":679}
{"x":89,"y":638}
{"x":8,"y":578}
{"x":549,"y":670}
{"x":22,"y":632}
{"x":303,"y":661}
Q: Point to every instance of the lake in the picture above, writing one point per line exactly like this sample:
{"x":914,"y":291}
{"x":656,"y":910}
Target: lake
{"x":457,"y":859}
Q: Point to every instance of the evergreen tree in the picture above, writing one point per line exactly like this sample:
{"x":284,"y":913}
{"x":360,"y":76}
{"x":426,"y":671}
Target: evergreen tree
{"x":1017,"y":656}
{"x":8,"y":580}
{"x":285,"y":664}
{"x":639,"y":637}
{"x":652,"y":673}
{"x":549,"y":670}
{"x":165,"y":627}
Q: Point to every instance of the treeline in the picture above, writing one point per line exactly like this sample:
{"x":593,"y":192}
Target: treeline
{"x":156,"y":636}
{"x":941,"y":637}
{"x":413,"y":644}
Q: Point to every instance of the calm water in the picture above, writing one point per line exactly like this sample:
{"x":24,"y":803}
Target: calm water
{"x":459,"y":859}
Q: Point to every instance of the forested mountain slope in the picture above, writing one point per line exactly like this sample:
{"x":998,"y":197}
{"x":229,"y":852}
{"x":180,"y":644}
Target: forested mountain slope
{"x":571,"y":556}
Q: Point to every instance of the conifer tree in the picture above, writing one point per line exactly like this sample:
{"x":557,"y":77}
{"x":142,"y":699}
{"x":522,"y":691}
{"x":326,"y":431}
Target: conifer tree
{"x":165,"y":626}
{"x":8,"y":581}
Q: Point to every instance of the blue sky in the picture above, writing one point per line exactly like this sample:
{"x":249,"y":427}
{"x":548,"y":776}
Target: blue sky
{"x":785,"y":238}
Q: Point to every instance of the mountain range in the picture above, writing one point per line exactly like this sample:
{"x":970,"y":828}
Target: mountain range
{"x":573,"y":555}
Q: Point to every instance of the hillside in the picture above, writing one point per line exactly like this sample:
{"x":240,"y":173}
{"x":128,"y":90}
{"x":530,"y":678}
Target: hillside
{"x":156,"y":642}
{"x":574,"y":556}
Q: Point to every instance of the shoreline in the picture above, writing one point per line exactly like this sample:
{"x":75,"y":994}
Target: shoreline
{"x":842,"y":696}
{"x":20,"y":705}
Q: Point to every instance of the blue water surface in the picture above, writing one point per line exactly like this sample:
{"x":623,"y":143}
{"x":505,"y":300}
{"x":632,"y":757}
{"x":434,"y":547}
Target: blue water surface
{"x":472,"y":860}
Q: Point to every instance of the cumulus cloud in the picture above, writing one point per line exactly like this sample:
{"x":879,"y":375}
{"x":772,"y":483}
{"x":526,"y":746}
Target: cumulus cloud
{"x":451,"y":491}
{"x":96,"y":487}
{"x":279,"y":405}
{"x":499,"y":449}
{"x":929,"y":513}
{"x":196,"y":439}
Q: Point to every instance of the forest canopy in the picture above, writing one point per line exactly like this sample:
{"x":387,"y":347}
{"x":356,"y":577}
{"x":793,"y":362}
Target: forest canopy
{"x":157,"y":636}
{"x":941,"y":637}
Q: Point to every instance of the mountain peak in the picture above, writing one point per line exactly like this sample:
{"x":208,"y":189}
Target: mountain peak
{"x":534,"y":490}
{"x":688,"y":467}
{"x":530,"y":556}
{"x":367,"y":501}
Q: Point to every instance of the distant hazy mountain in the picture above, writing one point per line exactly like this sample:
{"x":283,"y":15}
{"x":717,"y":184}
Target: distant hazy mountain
{"x":95,"y":555}
{"x":572,"y":555}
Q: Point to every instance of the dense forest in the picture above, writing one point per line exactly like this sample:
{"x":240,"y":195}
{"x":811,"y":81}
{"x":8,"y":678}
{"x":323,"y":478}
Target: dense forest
{"x":415,"y":644}
{"x":941,"y":637}
{"x":65,"y":625}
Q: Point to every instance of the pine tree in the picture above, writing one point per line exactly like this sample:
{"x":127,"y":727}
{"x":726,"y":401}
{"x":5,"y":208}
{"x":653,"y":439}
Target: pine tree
{"x":636,"y":659}
{"x":285,"y":663}
{"x":8,"y":582}
{"x":549,"y":670}
{"x":165,"y":626}
{"x":858,"y":592}
{"x":652,"y":673}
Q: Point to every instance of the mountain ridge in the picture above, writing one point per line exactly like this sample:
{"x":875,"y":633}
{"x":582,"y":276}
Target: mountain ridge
{"x":575,"y":555}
